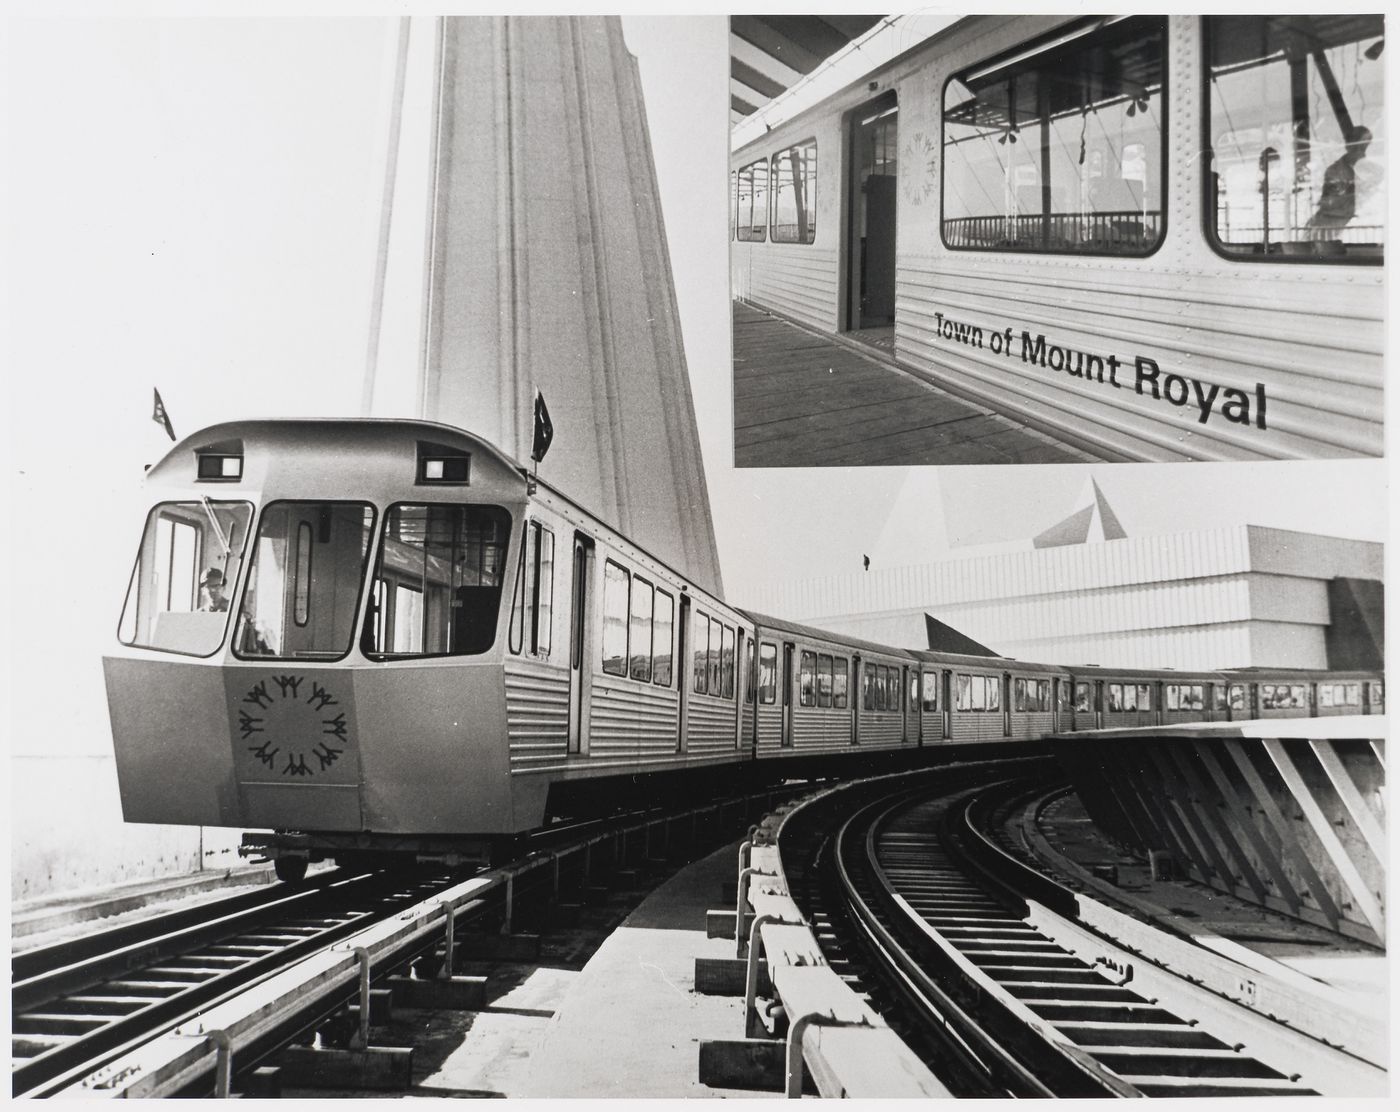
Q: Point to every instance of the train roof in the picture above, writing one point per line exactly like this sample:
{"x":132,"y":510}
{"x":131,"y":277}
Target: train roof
{"x":1106,"y":671}
{"x":973,"y":660}
{"x":784,"y":626}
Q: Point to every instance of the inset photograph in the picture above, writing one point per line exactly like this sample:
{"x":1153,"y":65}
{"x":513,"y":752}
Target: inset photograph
{"x":1038,"y":239}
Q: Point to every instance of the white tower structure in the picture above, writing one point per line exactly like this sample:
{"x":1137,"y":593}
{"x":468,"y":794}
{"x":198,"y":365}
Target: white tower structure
{"x":545,"y":268}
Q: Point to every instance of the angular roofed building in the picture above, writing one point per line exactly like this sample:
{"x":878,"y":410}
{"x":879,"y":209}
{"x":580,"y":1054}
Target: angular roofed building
{"x":1083,"y":592}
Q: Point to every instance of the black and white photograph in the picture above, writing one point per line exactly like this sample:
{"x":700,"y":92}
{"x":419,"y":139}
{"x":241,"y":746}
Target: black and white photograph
{"x":716,"y":556}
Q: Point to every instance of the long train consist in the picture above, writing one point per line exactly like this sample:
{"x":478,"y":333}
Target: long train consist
{"x":1159,"y":237}
{"x":385,"y":636}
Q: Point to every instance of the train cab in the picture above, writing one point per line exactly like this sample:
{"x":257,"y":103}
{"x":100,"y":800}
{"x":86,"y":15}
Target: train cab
{"x":313,"y":633}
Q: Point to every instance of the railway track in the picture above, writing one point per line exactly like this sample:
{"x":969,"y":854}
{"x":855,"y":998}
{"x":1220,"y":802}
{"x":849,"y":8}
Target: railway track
{"x":77,"y":1004}
{"x":91,"y":1014}
{"x":925,"y":904}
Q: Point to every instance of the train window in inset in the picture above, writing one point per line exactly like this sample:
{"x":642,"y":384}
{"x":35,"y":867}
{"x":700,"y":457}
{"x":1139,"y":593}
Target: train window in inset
{"x":1059,"y":148}
{"x":767,"y":673}
{"x":341,"y":532}
{"x":1221,"y":696}
{"x":839,"y":679}
{"x":1295,"y":106}
{"x":993,"y":692}
{"x":640,"y":632}
{"x":867,"y":689}
{"x":733,"y":204}
{"x":700,"y":643}
{"x":726,"y":664}
{"x":1237,"y":697}
{"x":663,"y":629}
{"x":794,"y":179}
{"x":166,"y":607}
{"x":1377,"y":697}
{"x":751,"y":201}
{"x":1083,"y":698}
{"x":823,"y":680}
{"x":616,"y":607}
{"x":930,"y":691}
{"x":807,"y":680}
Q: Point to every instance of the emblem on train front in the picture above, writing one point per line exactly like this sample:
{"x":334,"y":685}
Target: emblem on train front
{"x":920,"y":168}
{"x":293,"y":725}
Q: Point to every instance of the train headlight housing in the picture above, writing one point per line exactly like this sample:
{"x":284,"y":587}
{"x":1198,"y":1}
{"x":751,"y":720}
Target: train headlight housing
{"x":440,"y":464}
{"x":219,"y":467}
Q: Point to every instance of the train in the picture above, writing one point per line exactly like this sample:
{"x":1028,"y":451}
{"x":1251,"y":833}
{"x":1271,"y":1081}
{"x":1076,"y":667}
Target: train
{"x":1157,"y":238}
{"x":364,"y":639}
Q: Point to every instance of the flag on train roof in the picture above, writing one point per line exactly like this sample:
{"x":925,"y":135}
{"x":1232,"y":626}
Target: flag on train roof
{"x":160,"y":417}
{"x":544,"y":429}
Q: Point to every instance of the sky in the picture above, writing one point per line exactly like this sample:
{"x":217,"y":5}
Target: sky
{"x":192,"y":204}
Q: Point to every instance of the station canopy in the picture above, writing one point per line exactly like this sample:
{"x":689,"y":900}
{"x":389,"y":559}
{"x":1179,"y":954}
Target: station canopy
{"x":768,"y":54}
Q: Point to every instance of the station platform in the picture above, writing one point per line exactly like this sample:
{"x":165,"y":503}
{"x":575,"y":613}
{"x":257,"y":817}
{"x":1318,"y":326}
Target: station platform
{"x":802,"y":399}
{"x":631,"y":1023}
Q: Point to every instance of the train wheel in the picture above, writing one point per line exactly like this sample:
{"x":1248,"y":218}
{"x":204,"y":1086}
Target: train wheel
{"x":290,"y":869}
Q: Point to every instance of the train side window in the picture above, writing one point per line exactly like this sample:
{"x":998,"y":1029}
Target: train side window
{"x":993,"y":686}
{"x":751,"y":198}
{"x":1018,"y":694}
{"x":532,"y":609}
{"x":1237,"y":697}
{"x":823,"y":680}
{"x":767,"y":673}
{"x":716,"y":631}
{"x":930,"y":691}
{"x":700,"y":641}
{"x":1083,"y":698}
{"x":962,"y":688}
{"x":1059,"y":147}
{"x":168,"y":606}
{"x":1353,"y":694}
{"x":726,"y":663}
{"x":794,"y":178}
{"x":807,"y":680}
{"x":663,"y":630}
{"x":840,"y":676}
{"x":1325,"y":692}
{"x":639,"y":638}
{"x":1377,"y":697}
{"x":616,"y":606}
{"x":1296,"y":105}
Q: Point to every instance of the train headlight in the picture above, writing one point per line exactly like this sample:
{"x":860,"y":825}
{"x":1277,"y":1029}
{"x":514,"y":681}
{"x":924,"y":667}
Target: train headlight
{"x":220,"y":467}
{"x":440,"y":464}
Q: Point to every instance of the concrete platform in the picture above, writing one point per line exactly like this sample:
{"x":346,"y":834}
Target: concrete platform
{"x":631,"y":1023}
{"x":1354,"y":968}
{"x":804,"y":400}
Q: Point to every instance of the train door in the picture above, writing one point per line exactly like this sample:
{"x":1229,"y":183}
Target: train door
{"x":855,"y":699}
{"x":1098,"y":704}
{"x":1055,"y":692}
{"x":1006,"y":704}
{"x":741,"y":684}
{"x":916,"y":703}
{"x":788,"y":649}
{"x":683,"y":666}
{"x":580,"y":660}
{"x":947,"y":693}
{"x":872,"y":198}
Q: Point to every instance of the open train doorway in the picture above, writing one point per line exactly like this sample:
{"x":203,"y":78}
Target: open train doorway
{"x":873,"y":192}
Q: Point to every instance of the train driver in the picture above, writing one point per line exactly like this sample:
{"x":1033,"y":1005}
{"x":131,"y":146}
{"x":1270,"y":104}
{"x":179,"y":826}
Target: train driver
{"x":1340,"y":187}
{"x":211,"y":591}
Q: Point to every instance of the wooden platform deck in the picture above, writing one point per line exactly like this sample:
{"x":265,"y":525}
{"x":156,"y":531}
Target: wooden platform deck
{"x":802,"y":400}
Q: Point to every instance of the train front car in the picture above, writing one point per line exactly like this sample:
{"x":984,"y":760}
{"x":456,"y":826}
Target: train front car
{"x":311,"y":642}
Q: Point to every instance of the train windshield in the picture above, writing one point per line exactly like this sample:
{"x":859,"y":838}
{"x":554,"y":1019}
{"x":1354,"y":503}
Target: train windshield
{"x":1297,"y":135}
{"x":190,"y":555}
{"x":304,"y":586}
{"x":437,"y":586}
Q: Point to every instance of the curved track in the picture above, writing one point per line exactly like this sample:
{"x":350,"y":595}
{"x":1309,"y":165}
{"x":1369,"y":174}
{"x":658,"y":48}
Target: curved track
{"x":1000,"y":1000}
